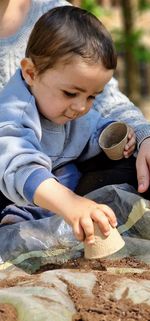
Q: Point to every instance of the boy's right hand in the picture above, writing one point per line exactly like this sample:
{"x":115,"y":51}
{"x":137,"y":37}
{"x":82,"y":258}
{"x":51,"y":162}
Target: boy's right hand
{"x":77,"y":211}
{"x":82,"y":215}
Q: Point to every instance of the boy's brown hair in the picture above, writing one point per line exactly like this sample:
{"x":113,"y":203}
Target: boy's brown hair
{"x":66,"y":31}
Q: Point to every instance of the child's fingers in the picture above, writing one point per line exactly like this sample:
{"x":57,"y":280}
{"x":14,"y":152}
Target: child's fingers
{"x":87,"y":225}
{"x":109,"y":213}
{"x":129,"y":152}
{"x":83,"y":227}
{"x":130,"y":132}
{"x":131,"y":142}
{"x":104,"y":216}
{"x":100,"y":218}
{"x":78,"y":231}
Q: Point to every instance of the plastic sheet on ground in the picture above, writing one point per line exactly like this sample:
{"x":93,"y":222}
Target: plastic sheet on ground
{"x":26,"y":246}
{"x":51,"y":239}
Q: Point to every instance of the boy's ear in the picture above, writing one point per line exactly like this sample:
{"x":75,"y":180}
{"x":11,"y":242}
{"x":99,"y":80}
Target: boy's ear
{"x":28,"y":71}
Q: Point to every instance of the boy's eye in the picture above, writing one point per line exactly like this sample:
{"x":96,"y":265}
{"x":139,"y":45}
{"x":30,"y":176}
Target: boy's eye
{"x":91,"y":97}
{"x":68,"y":94}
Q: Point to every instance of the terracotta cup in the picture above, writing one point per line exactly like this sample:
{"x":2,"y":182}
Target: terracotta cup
{"x":113,"y":140}
{"x":103,"y":245}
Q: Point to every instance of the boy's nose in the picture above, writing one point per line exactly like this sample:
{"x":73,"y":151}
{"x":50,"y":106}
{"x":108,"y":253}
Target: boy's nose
{"x":79,"y":108}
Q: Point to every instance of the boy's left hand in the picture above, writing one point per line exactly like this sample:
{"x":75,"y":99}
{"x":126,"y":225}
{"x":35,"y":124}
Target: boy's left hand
{"x":131,"y":144}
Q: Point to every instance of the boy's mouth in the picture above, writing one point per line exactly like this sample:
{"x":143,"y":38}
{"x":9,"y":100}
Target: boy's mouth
{"x":75,"y":115}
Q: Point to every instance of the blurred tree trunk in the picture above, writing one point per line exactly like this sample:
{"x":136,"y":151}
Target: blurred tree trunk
{"x":129,"y":10}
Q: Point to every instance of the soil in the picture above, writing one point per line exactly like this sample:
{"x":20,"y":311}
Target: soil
{"x":99,"y":307}
{"x":102,"y":308}
{"x":97,"y":264}
{"x":7,"y":312}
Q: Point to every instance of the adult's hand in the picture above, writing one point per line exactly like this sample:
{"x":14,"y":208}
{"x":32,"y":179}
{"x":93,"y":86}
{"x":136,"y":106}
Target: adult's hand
{"x":143,"y":166}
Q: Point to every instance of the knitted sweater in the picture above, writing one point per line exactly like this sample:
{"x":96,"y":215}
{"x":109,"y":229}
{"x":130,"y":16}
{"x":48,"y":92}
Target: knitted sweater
{"x":111,"y":103}
{"x":12,"y":49}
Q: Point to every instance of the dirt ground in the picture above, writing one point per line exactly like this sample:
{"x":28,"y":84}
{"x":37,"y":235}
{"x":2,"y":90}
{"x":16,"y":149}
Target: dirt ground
{"x":96,"y":265}
{"x":99,"y":307}
{"x":7,"y":312}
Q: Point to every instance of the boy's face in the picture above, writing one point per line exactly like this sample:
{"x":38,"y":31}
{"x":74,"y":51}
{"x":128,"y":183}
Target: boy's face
{"x":67,"y":91}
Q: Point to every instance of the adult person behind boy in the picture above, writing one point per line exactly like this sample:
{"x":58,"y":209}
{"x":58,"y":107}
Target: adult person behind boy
{"x":17,"y":18}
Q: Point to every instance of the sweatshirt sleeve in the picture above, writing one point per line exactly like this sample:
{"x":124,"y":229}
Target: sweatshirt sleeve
{"x":21,"y":161}
{"x":112,"y":103}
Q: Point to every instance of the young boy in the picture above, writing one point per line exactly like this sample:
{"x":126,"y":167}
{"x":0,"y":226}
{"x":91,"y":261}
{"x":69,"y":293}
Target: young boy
{"x":46,"y":120}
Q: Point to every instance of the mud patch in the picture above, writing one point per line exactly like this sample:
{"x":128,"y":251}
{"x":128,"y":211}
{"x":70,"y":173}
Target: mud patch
{"x":97,"y":264}
{"x":104,"y":308}
{"x":101,"y":305}
{"x":8,"y":313}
